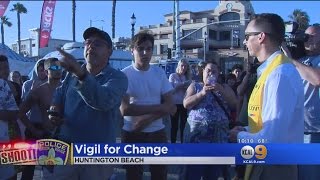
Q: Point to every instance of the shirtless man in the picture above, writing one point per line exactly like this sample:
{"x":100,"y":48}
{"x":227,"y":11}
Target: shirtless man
{"x":41,"y":97}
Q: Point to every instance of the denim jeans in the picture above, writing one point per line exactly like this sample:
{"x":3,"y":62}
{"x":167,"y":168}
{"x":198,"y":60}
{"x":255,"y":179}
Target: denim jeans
{"x":181,"y":115}
{"x":135,"y":172}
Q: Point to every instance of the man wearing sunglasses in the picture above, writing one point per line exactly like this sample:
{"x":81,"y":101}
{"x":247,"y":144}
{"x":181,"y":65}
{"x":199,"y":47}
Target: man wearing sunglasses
{"x":88,"y":103}
{"x":41,"y":97}
{"x":309,"y":69}
{"x":275,"y":109}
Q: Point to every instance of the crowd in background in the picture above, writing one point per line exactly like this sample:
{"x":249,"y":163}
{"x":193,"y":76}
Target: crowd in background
{"x":205,"y":106}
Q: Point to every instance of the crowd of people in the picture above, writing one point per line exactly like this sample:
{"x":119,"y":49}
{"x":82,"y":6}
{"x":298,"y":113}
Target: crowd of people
{"x":279,"y":102}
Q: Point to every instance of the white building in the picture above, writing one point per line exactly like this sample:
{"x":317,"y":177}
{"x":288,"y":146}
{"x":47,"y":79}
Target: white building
{"x":30,"y":46}
{"x":223,"y":42}
{"x":122,"y":43}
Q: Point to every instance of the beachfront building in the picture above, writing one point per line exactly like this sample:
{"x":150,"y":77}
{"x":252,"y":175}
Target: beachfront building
{"x":215,"y":39}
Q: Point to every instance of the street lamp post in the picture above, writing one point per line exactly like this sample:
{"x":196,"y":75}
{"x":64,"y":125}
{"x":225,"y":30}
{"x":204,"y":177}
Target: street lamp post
{"x":133,"y":22}
{"x":205,"y":45}
{"x":219,"y":22}
{"x":177,"y":30}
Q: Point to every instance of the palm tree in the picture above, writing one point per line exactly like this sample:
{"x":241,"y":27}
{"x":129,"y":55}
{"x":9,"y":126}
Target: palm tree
{"x":4,"y":21}
{"x":113,"y":23}
{"x":20,"y":9}
{"x":301,"y":17}
{"x":74,"y":20}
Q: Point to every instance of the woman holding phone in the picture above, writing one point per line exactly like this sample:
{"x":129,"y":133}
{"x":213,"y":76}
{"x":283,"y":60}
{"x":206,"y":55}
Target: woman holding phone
{"x":208,"y":103}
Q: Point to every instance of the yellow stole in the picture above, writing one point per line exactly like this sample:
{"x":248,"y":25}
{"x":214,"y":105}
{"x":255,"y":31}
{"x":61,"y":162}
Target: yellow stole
{"x":256,"y":100}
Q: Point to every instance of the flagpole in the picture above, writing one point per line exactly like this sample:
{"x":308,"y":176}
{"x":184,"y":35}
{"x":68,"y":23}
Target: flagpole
{"x":39,"y":32}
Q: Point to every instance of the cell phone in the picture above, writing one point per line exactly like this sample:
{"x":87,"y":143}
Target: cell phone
{"x":53,"y":113}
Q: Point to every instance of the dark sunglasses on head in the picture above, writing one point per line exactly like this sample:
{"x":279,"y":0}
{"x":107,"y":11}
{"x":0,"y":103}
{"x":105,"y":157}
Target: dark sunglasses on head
{"x":55,"y":68}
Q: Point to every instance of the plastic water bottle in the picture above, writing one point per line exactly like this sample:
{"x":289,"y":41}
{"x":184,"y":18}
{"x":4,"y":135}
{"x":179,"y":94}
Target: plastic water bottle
{"x":211,"y":80}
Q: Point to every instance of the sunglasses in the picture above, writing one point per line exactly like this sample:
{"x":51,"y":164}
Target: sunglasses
{"x":96,"y":43}
{"x":55,"y":68}
{"x":247,"y":35}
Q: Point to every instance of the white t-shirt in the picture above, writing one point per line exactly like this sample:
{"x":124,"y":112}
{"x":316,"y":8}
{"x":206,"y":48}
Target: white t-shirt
{"x":7,"y":102}
{"x":146,"y":87}
{"x":176,"y":80}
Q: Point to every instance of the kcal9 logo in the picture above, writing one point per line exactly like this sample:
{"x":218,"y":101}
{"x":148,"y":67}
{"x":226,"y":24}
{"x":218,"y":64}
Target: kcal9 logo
{"x":260,"y":152}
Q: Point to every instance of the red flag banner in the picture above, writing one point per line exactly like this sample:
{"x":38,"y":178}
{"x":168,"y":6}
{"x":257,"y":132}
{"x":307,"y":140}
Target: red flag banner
{"x":3,"y":7}
{"x":46,"y":22}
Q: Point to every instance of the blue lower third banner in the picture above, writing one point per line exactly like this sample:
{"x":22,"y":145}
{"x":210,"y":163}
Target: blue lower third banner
{"x":55,"y":152}
{"x":195,"y":153}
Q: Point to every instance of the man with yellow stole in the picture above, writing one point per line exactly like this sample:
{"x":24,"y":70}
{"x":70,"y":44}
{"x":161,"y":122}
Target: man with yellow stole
{"x":275,"y":109}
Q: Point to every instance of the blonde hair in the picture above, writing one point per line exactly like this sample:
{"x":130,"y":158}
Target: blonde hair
{"x":188,"y":71}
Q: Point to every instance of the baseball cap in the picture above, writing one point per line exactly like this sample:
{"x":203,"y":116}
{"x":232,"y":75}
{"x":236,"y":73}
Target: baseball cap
{"x":95,"y":31}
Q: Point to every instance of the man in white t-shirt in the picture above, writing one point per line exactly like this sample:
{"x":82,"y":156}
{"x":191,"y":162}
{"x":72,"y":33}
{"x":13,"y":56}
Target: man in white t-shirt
{"x":148,"y":99}
{"x":8,"y":112}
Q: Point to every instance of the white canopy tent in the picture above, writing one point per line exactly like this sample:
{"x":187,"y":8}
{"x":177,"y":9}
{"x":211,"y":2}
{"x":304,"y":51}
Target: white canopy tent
{"x":119,"y":58}
{"x":17,"y":62}
{"x":74,"y":48}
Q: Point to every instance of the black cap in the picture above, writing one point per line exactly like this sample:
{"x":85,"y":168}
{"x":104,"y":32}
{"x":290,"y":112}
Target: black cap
{"x":95,"y":31}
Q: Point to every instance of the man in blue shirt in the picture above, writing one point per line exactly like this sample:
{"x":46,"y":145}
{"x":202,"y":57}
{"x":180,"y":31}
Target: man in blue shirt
{"x":88,"y":102}
{"x":309,"y":69}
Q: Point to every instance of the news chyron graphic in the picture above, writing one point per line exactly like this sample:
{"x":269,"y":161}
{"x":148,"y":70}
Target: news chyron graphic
{"x":254,"y":155}
{"x":55,"y":152}
{"x":40,"y":152}
{"x":19,"y":153}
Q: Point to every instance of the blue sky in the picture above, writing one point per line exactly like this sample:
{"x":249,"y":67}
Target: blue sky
{"x":147,"y":13}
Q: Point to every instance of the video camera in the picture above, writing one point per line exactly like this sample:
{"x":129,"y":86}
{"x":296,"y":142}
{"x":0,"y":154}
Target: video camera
{"x":295,"y":40}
